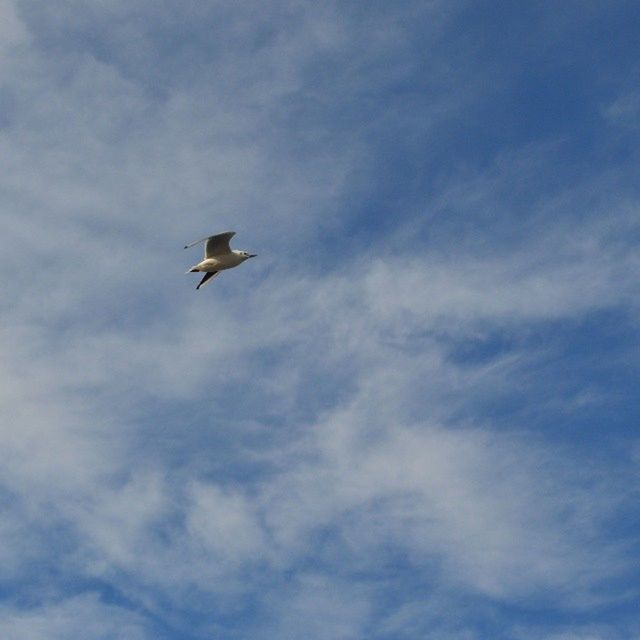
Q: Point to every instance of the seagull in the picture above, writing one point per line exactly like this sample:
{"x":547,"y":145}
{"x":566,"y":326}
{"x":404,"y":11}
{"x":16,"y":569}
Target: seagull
{"x":217,"y":256}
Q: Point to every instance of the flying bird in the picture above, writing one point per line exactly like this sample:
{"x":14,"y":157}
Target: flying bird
{"x":218,"y":256}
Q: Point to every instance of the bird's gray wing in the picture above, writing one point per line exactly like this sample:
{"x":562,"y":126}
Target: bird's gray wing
{"x":207,"y":277}
{"x":215,"y":245}
{"x":218,"y":244}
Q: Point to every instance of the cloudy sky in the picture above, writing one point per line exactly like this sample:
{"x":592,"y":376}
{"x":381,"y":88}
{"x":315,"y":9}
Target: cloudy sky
{"x":413,"y":416}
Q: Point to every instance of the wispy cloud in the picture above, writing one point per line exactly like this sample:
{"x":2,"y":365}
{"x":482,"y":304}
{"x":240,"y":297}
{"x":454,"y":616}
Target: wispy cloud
{"x":80,"y":616}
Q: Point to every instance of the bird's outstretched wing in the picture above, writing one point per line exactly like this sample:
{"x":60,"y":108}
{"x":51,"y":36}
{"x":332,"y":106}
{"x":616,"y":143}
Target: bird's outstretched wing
{"x":215,"y":245}
{"x":207,"y":277}
{"x":218,"y":244}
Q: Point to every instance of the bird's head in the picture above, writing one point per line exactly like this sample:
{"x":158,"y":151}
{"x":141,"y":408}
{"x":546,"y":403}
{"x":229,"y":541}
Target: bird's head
{"x":245,"y":255}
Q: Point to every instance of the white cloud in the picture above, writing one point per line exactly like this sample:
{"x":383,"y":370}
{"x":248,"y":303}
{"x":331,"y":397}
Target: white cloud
{"x":496,"y":515}
{"x":577,"y":632}
{"x":623,"y":112}
{"x":225,"y":524}
{"x":83,"y":616}
{"x":315,"y":607}
{"x":12,"y":31}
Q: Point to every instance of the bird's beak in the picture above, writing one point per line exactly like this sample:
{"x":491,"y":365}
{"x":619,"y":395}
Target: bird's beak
{"x":253,"y":255}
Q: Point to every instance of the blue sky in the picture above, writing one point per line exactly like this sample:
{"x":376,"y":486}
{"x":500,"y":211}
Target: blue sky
{"x":414,"y":415}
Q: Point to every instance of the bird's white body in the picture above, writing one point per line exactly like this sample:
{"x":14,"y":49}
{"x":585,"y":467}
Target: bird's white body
{"x":221,"y":262}
{"x":218,"y":256}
